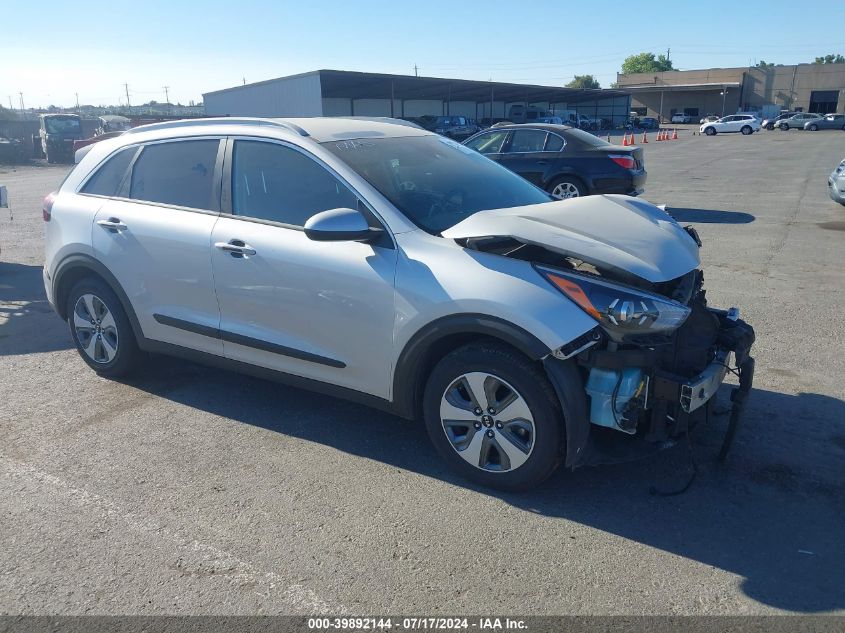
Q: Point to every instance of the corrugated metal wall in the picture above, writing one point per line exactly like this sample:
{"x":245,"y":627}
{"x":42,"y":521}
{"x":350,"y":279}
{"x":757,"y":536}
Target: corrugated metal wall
{"x":299,"y":96}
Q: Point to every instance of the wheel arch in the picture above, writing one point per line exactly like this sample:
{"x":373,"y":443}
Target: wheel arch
{"x":74,"y":268}
{"x":436,"y":339}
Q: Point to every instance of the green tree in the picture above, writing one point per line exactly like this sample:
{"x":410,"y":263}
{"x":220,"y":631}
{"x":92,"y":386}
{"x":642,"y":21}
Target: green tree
{"x":646,"y":63}
{"x":584,"y":81}
{"x":6,"y":114}
{"x":830,"y":59}
{"x":764,"y":64}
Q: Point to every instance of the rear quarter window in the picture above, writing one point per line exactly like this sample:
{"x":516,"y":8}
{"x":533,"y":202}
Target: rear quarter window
{"x":108,"y":178}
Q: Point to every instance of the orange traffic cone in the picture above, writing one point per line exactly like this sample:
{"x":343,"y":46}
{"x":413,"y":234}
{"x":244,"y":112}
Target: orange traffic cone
{"x":633,"y":141}
{"x":645,"y":137}
{"x":659,"y":135}
{"x":625,"y":140}
{"x":674,"y":135}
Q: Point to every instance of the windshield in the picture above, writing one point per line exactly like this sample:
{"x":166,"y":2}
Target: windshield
{"x":435,"y":181}
{"x":61,"y":125}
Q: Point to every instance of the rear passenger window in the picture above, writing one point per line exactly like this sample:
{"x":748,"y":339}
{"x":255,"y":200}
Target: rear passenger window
{"x":527,"y":141}
{"x":106,"y":180}
{"x":554,"y":143}
{"x":277,"y":183}
{"x":179,"y":173}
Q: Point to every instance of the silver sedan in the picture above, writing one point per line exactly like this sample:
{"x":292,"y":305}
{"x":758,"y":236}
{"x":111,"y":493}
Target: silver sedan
{"x":827,"y":122}
{"x":836,"y":184}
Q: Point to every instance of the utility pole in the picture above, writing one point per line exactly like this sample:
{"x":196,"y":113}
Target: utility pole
{"x":167,"y":95}
{"x":128,"y":106}
{"x":78,"y":111}
{"x":668,"y":50}
{"x":22,"y":108}
{"x":11,"y":107}
{"x":244,"y":80}
{"x":416,"y":71}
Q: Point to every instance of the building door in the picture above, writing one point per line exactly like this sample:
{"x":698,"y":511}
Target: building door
{"x":824,"y":101}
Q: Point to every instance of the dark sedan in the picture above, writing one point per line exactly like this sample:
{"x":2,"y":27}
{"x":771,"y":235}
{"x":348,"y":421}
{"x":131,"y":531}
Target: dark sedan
{"x":564,"y":161}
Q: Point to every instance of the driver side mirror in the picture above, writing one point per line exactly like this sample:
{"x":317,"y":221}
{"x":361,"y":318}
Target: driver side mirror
{"x":340,"y":225}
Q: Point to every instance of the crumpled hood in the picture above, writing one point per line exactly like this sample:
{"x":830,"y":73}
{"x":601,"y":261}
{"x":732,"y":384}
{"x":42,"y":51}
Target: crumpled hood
{"x":609,"y":231}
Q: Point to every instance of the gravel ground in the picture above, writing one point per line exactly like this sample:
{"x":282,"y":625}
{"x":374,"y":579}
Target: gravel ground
{"x":189,"y":490}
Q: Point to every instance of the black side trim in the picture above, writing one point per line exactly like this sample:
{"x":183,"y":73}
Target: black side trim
{"x":204,"y":358}
{"x":188,"y":326}
{"x":409,"y":377}
{"x":247,"y":341}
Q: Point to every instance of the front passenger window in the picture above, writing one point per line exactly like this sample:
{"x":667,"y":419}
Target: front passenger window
{"x":277,"y":183}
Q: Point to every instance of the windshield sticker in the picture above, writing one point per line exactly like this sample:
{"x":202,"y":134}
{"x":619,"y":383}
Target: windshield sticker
{"x":354,"y":145}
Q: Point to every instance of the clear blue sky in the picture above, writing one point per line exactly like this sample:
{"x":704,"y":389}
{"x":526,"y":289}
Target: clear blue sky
{"x":50,"y":50}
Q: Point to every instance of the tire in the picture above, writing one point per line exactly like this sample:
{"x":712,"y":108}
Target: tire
{"x":814,"y":128}
{"x":784,"y":127}
{"x":746,"y":130}
{"x":710,"y":131}
{"x":567,"y":187}
{"x":475,"y":443}
{"x":94,"y":310}
{"x":770,"y":127}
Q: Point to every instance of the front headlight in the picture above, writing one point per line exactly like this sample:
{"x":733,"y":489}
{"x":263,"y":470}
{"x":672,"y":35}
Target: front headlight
{"x":620,"y":310}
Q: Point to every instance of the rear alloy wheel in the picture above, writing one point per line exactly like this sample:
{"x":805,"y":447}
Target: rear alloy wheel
{"x":814,"y":127}
{"x":100,"y":328}
{"x":746,"y":130}
{"x":494,"y":417}
{"x":710,"y":131}
{"x":565,"y":188}
{"x":784,"y":126}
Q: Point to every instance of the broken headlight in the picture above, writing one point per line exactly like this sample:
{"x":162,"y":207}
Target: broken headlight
{"x":621,"y":310}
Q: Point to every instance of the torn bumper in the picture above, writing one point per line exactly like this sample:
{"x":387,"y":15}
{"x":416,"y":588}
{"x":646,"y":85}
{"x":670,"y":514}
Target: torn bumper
{"x":659,"y":392}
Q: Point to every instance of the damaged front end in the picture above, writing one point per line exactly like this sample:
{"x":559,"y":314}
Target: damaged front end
{"x":658,"y":354}
{"x":657,"y":357}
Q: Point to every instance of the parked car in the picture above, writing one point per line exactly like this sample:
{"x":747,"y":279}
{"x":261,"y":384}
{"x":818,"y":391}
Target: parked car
{"x":827,"y":122}
{"x":649,"y":123}
{"x":680,"y":117}
{"x":743,"y":123}
{"x":769,"y":124}
{"x":78,"y":145}
{"x":797,"y":120}
{"x":836,"y":184}
{"x":710,"y":118}
{"x":11,"y":150}
{"x":56,"y":136}
{"x":388,"y":265}
{"x":562,"y":160}
{"x":457,"y":127}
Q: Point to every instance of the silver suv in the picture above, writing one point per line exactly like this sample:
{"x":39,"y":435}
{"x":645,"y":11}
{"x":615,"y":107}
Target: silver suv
{"x":379,"y":262}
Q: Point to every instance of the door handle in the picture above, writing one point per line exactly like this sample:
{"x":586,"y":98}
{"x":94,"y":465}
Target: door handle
{"x":542,"y":162}
{"x":237,"y":248}
{"x":112,"y":224}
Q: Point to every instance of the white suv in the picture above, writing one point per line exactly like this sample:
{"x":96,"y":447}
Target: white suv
{"x":375,"y":261}
{"x":743,"y":123}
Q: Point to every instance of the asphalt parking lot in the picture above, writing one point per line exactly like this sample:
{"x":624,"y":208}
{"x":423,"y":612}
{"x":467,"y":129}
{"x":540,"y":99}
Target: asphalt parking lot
{"x":191,"y":490}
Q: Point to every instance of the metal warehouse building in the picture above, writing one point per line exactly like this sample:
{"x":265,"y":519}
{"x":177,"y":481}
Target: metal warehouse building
{"x":343,"y":93}
{"x":808,"y":87}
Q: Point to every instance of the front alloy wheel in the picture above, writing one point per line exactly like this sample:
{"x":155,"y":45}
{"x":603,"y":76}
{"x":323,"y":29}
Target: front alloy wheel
{"x":487,"y":422}
{"x":95,"y":328}
{"x":494,"y":417}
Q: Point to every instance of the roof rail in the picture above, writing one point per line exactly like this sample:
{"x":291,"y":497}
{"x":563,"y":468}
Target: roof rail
{"x":181,"y":123}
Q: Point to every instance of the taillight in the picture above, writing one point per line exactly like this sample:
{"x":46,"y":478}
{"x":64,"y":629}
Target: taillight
{"x":47,"y":207}
{"x":623,"y":160}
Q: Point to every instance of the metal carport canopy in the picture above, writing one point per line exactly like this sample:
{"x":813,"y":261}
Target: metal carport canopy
{"x":358,"y":85}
